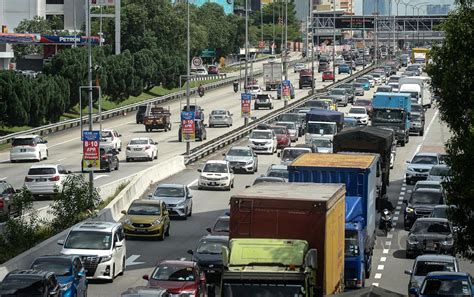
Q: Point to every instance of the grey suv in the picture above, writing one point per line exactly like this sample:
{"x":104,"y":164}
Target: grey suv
{"x":242,"y":158}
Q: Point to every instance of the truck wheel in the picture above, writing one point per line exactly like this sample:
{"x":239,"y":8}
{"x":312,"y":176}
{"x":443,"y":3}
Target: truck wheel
{"x":166,"y":128}
{"x":402,"y":143}
{"x":408,"y":139}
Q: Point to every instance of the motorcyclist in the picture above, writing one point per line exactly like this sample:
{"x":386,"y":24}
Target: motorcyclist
{"x":201,"y":90}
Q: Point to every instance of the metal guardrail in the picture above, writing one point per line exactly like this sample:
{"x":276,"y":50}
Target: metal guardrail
{"x":239,"y":133}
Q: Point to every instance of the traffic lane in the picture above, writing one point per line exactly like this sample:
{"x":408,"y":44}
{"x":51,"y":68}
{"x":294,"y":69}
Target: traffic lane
{"x":184,"y":234}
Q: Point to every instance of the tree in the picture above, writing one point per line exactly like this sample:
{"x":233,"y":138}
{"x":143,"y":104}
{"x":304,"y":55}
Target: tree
{"x":16,"y":107}
{"x":37,"y":25}
{"x":452,"y":76}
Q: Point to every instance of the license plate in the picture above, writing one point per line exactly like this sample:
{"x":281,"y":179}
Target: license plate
{"x":213,"y":183}
{"x":140,"y":230}
{"x":22,"y":150}
{"x":262,"y":101}
{"x":420,"y":175}
{"x":138,"y":149}
{"x":41,"y":179}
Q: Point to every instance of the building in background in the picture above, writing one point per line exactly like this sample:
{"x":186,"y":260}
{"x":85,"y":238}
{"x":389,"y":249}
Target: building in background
{"x":438,"y":9}
{"x":379,"y":7}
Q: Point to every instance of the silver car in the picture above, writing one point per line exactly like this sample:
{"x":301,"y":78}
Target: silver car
{"x":220,"y":117}
{"x":340,"y":95}
{"x":177,"y":197}
{"x":242,"y":158}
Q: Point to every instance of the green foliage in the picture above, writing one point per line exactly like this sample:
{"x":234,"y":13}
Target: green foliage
{"x":452,"y":75}
{"x":73,"y":203}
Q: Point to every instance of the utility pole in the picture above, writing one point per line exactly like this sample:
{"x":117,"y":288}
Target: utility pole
{"x":246,"y":120}
{"x":395,"y":29}
{"x":313,"y":82}
{"x":261,"y":19}
{"x":376,"y":33}
{"x":89,"y":91}
{"x":363,"y":33}
{"x":334,"y":40}
{"x":188,"y":70}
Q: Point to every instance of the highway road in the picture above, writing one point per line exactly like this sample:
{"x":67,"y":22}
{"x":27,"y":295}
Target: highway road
{"x":66,"y":148}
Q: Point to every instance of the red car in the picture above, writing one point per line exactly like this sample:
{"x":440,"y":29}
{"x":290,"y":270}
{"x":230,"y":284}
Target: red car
{"x":178,"y":277}
{"x":213,"y":69}
{"x":367,"y":103}
{"x":328,"y":75}
{"x":283,"y":136}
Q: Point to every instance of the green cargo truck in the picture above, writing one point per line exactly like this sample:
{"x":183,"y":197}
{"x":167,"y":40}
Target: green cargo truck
{"x":268,"y":267}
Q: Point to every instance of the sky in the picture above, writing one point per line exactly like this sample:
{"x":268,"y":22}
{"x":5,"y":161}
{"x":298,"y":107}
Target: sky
{"x":401,"y":7}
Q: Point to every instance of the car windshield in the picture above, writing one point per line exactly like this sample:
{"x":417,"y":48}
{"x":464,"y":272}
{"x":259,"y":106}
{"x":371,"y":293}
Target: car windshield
{"x":428,"y":160}
{"x":440,"y":171}
{"x":263,"y":97}
{"x":321,"y":128}
{"x":351,"y":245}
{"x":425,"y":197}
{"x":60,"y":267}
{"x":362,"y":102}
{"x":416,"y":108}
{"x":139,"y":141}
{"x":215,"y":168}
{"x":29,"y":285}
{"x":254,"y":88}
{"x":337,"y":92}
{"x":88,"y":240}
{"x":289,"y":126}
{"x":362,"y":80}
{"x":105,"y":134}
{"x":357,"y":110}
{"x":239,"y":152}
{"x":222,"y":225}
{"x":425,"y":267}
{"x":279,"y":130}
{"x":261,"y":180}
{"x":210,"y":247}
{"x":388,"y":115}
{"x":431,"y":227}
{"x":292,"y":154}
{"x":261,"y":135}
{"x":144,"y":209}
{"x":316,"y":103}
{"x":42,"y":171}
{"x":173,"y":273}
{"x":278,"y":173}
{"x":440,"y":212}
{"x":384,"y":89}
{"x":412,"y":68}
{"x":446,"y":287}
{"x":322,"y":143}
{"x":416,"y":117}
{"x":218,"y":112}
{"x":23,"y":141}
{"x":357,"y":85}
{"x":169,"y":192}
{"x":289,"y":118}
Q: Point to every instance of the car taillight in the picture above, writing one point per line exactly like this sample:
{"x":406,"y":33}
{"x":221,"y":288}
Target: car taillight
{"x":2,"y":204}
{"x":27,"y":179}
{"x":54,"y":178}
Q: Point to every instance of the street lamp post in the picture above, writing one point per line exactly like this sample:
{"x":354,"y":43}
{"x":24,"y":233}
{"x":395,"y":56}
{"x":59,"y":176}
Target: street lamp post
{"x":313,"y":82}
{"x":246,"y":120}
{"x":188,"y":70}
{"x":395,"y":27}
{"x":363,"y":33}
{"x":89,"y":77}
{"x":334,"y":40}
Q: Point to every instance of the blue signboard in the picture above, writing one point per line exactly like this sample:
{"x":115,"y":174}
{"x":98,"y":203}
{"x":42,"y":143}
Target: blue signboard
{"x":90,"y":135}
{"x":188,"y":128}
{"x":69,"y":39}
{"x":285,"y":83}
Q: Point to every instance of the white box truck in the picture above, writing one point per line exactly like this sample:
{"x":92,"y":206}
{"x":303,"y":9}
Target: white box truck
{"x":272,"y":73}
{"x":418,"y":87}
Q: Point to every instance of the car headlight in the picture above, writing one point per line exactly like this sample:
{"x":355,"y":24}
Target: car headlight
{"x":409,"y":209}
{"x":188,"y":294}
{"x":249,"y":162}
{"x":448,"y":241}
{"x":180,"y":204}
{"x":410,"y":169}
{"x":157,"y":222}
{"x":202,"y":177}
{"x":105,"y":258}
{"x":412,"y":240}
{"x":414,"y":285}
{"x":127,"y":222}
{"x":66,"y":286}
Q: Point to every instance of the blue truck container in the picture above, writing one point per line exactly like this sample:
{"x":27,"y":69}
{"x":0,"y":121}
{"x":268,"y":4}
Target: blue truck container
{"x":359,"y":173}
{"x":392,"y":110}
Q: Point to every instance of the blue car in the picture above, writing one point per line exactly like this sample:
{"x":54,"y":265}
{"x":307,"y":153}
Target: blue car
{"x":292,"y":91}
{"x":344,"y":68}
{"x":446,"y":284}
{"x":364,"y":82}
{"x":69,"y":272}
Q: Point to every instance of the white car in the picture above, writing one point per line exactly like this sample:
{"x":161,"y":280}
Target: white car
{"x":216,"y":174}
{"x":263,"y":141}
{"x":254,"y":90}
{"x":141,"y":148}
{"x":200,"y":72}
{"x":101,"y":246}
{"x":45,"y":179}
{"x":360,"y":114}
{"x":111,"y":138}
{"x":395,"y":86}
{"x":28,"y":147}
{"x":298,"y":67}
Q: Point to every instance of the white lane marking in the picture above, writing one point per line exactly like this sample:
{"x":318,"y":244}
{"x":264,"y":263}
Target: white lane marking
{"x":397,"y":212}
{"x":426,"y":133}
{"x":192,"y":183}
{"x":389,"y":235}
{"x":378,"y":276}
{"x":404,"y":188}
{"x":398,"y":207}
{"x":100,"y":176}
{"x":380,"y":267}
{"x":401,"y":198}
{"x":385,"y":251}
{"x":3,"y":178}
{"x":400,"y":202}
{"x":402,"y":193}
{"x":383,"y":259}
{"x":388,"y":243}
{"x":131,"y":260}
{"x":395,"y":218}
{"x":375,"y":284}
{"x":61,"y":159}
{"x":61,"y":143}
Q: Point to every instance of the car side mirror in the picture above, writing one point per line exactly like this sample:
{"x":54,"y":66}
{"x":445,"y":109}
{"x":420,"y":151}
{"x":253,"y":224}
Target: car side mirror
{"x":120,"y":135}
{"x":408,"y":272}
{"x":119,"y":244}
{"x":45,"y":141}
{"x":190,"y":196}
{"x":231,"y":114}
{"x":69,"y":172}
{"x":150,"y":196}
{"x":124,"y":212}
{"x":408,"y":162}
{"x":208,"y":230}
{"x":190,"y":252}
{"x":278,"y":154}
{"x":199,"y":170}
{"x":17,"y":191}
{"x":223,"y":154}
{"x":146,"y":277}
{"x":247,"y":186}
{"x":60,"y":242}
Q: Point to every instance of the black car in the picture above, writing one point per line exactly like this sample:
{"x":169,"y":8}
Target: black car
{"x":109,"y":159}
{"x":6,"y":194}
{"x":30,"y":283}
{"x":430,"y":236}
{"x":323,"y":67}
{"x":221,"y":226}
{"x":305,"y":81}
{"x":199,"y":128}
{"x":140,"y":116}
{"x":208,"y":255}
{"x":421,"y":203}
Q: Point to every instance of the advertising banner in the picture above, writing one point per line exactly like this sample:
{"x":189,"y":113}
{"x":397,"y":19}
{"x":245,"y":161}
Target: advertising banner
{"x":285,"y":90}
{"x":188,"y":129}
{"x":246,"y":104}
{"x":90,"y":150}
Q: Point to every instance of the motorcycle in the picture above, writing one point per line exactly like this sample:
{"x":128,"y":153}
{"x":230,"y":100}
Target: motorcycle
{"x":201,"y":92}
{"x":385,"y":222}
{"x":236,"y":86}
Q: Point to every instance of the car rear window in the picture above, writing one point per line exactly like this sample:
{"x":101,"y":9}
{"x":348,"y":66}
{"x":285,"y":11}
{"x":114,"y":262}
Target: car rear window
{"x":139,"y":141}
{"x":23,"y":141}
{"x":42,"y":171}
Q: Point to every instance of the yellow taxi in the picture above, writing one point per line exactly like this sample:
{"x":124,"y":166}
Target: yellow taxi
{"x":331,"y":102}
{"x":147,"y":218}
